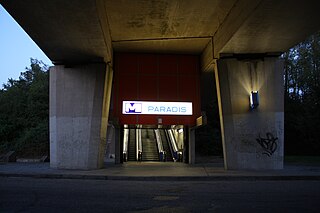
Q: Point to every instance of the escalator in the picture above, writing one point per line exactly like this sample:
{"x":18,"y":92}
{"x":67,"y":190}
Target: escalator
{"x":149,"y":145}
{"x":166,"y":146}
{"x":132,"y":145}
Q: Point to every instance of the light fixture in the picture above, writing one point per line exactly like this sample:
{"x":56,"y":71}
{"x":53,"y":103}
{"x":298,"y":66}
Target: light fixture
{"x":254,"y":99}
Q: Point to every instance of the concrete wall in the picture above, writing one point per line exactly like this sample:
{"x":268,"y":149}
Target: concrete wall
{"x":252,"y":139}
{"x":76,"y":103}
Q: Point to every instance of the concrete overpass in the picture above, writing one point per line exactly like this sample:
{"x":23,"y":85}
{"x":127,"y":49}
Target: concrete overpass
{"x":238,"y":40}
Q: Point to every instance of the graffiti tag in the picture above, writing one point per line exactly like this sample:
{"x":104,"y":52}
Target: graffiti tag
{"x":269,"y":144}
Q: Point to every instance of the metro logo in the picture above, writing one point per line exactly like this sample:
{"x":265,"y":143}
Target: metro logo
{"x":133,"y":108}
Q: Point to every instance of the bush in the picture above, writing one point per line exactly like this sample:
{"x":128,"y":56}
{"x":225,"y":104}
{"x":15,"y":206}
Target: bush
{"x":24,"y":112}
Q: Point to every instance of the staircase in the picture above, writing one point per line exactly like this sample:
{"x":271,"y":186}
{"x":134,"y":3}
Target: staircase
{"x":149,"y":145}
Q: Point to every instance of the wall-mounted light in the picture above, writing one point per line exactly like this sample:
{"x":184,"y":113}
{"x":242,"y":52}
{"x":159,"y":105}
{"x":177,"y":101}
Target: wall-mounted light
{"x":254,"y":99}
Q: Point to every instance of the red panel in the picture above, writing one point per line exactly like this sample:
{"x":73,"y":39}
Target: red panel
{"x":147,"y":119}
{"x":128,"y":87}
{"x":148,"y":64}
{"x":128,"y":119}
{"x":168,"y":88}
{"x":187,"y":88}
{"x":170,"y":119}
{"x":148,"y":88}
{"x":188,"y":65}
{"x":126,"y":63}
{"x":167,"y":65}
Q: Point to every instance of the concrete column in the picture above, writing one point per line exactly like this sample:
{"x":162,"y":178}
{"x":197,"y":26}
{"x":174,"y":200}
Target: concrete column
{"x":105,"y":113}
{"x":192,"y":139}
{"x":252,"y":139}
{"x":76,"y":116}
{"x":110,"y":145}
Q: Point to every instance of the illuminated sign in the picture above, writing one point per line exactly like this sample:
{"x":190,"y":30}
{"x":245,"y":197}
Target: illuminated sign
{"x":156,"y":108}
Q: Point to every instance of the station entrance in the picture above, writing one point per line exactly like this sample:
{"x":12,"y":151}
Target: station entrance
{"x":155,"y":101}
{"x":154,"y":144}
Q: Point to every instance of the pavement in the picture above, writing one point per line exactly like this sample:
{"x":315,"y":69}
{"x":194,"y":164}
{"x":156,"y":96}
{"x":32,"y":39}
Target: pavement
{"x":156,"y":171}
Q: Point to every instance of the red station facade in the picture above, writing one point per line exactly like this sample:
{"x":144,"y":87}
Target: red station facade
{"x":159,"y":78}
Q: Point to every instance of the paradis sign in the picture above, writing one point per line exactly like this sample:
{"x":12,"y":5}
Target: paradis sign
{"x":156,"y":108}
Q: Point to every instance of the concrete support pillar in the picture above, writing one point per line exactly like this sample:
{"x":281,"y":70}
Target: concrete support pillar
{"x":192,"y":139}
{"x":105,"y":113}
{"x":110,"y":145}
{"x":77,"y":101}
{"x":252,"y":138}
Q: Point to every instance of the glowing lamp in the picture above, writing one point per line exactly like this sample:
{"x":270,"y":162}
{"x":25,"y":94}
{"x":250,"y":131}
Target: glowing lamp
{"x":254,"y":99}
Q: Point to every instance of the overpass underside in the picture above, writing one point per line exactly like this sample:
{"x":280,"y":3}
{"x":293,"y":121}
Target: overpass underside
{"x":238,"y":41}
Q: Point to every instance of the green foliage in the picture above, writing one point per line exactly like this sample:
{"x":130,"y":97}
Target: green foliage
{"x":302,"y":97}
{"x":24,"y":112}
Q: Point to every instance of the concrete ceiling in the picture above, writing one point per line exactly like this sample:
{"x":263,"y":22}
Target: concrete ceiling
{"x":147,"y":19}
{"x":275,"y":26}
{"x":166,"y":26}
{"x":76,"y":31}
{"x":66,"y":31}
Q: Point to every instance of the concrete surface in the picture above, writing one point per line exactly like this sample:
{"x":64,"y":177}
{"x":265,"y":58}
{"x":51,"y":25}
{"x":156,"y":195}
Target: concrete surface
{"x":64,"y":195}
{"x":83,"y":30}
{"x":76,"y":105}
{"x":253,"y":139}
{"x":161,"y":171}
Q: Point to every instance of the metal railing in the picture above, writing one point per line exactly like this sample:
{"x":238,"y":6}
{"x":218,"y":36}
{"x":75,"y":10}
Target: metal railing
{"x":125,"y":144}
{"x":177,"y":155}
{"x":138,"y":145}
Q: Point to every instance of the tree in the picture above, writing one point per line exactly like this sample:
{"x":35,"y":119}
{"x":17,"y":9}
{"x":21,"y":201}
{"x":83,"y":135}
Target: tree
{"x":24,"y":112}
{"x":302,"y":97}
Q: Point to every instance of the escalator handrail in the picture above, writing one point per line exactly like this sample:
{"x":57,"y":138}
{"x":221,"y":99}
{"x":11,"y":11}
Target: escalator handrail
{"x":159,"y":141}
{"x":173,"y":140}
{"x":166,"y":145}
{"x":125,"y":141}
{"x":174,"y":154}
{"x":138,"y":144}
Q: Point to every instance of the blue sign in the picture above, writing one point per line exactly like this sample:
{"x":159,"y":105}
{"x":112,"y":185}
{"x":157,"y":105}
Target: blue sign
{"x":133,"y":107}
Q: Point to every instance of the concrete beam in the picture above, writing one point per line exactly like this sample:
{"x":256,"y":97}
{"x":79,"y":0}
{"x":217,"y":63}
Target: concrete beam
{"x":237,"y":15}
{"x":163,"y":45}
{"x":105,"y":28}
{"x":207,"y":57}
{"x":270,"y":26}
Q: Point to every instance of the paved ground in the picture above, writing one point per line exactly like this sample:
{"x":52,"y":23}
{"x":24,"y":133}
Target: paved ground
{"x":158,"y":187}
{"x":21,"y":194}
{"x":161,"y":171}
